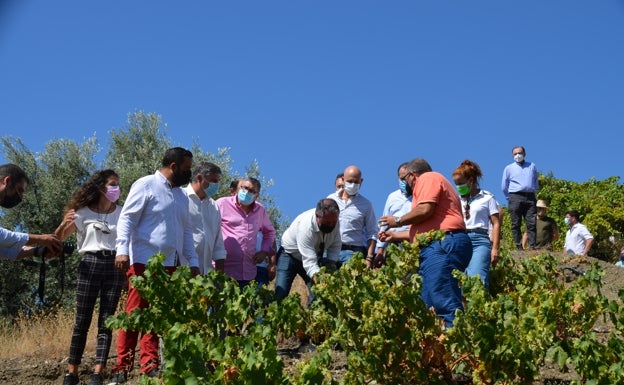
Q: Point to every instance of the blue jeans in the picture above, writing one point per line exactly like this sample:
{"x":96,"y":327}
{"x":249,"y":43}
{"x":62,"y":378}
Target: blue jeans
{"x":287,"y":269}
{"x":262,"y":276}
{"x":480,"y":261}
{"x":437,"y":262}
{"x":346,"y":255}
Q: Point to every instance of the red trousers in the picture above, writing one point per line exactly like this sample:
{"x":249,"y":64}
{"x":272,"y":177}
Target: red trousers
{"x":127,"y":339}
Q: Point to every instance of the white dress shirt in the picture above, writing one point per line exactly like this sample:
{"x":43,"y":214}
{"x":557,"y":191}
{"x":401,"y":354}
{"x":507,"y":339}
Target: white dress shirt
{"x":303,"y":238}
{"x":207,"y":236}
{"x":155,"y":219}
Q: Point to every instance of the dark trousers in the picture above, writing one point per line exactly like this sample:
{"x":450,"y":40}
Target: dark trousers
{"x":97,"y":277}
{"x":522,"y":205}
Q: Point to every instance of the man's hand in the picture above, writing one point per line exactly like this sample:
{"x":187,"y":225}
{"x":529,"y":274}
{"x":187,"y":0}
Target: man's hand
{"x":260,"y":256}
{"x":54,"y":247}
{"x":271,"y":271}
{"x":122,"y":262}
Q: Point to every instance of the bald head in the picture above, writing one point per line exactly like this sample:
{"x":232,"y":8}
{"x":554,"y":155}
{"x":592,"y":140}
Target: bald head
{"x":353,"y":174}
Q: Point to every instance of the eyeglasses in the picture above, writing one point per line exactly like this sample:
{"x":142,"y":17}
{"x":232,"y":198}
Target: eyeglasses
{"x":467,"y":210}
{"x":102,"y":226}
{"x":404,"y":177}
{"x":251,"y":190}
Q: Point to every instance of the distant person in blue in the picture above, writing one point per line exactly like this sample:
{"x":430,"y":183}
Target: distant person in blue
{"x":520,"y":186}
{"x":358,"y":223}
{"x":398,"y":202}
{"x":620,"y":263}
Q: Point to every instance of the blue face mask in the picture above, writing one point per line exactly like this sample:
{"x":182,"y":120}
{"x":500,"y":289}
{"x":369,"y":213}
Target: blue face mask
{"x":211,"y":189}
{"x":245,"y":197}
{"x":405,"y":189}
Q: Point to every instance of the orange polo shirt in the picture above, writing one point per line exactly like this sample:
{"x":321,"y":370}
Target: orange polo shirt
{"x":433,"y":187}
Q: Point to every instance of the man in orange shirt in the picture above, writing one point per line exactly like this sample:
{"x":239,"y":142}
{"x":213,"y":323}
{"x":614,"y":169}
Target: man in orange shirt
{"x":435,"y":206}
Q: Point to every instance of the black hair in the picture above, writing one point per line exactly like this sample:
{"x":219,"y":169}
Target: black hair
{"x":15,"y":172}
{"x":176,"y":155}
{"x":326,"y":206}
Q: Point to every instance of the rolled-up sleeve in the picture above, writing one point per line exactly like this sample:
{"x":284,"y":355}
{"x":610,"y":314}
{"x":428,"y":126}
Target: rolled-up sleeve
{"x":11,"y":243}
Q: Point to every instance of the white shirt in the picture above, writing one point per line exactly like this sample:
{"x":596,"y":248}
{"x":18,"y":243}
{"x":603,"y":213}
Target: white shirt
{"x":155,"y":219}
{"x":397,"y":205}
{"x":303,"y":238}
{"x":11,"y":243}
{"x":358,"y":223}
{"x":482,"y":207}
{"x":575,"y":239}
{"x":206,"y":223}
{"x":89,"y":238}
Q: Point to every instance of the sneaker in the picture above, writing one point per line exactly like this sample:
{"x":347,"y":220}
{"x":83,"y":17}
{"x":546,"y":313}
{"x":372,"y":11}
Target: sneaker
{"x":153,"y":373}
{"x":118,"y":378}
{"x":71,"y":379}
{"x":96,"y":379}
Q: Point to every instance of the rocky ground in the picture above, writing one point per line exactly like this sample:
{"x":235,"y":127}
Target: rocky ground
{"x":42,"y":371}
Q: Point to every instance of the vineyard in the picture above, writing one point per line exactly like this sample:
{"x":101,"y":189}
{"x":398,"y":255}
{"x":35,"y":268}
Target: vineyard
{"x":550,"y":319}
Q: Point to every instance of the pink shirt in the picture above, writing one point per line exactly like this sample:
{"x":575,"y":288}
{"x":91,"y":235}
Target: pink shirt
{"x":433,"y":187}
{"x":240,"y":234}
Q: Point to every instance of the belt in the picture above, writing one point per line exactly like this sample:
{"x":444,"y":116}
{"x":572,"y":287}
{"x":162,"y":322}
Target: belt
{"x":351,"y":247}
{"x":451,"y":232}
{"x":524,"y":193}
{"x":478,"y":231}
{"x":102,"y":253}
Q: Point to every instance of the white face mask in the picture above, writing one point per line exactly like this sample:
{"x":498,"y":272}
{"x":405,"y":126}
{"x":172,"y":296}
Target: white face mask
{"x":352,"y":188}
{"x":518,"y":158}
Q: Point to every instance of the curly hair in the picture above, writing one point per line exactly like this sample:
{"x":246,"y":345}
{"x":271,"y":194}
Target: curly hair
{"x":89,"y":193}
{"x":469,"y":169}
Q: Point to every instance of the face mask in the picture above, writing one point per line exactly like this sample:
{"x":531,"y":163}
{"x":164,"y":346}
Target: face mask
{"x":406,"y":189}
{"x":566,"y":220}
{"x":10,"y":201}
{"x":326,"y":229}
{"x":338,"y":190}
{"x":211,"y":189}
{"x":463,"y":189}
{"x":112,"y":193}
{"x":245,"y":197}
{"x":181,"y":178}
{"x":352,"y":188}
{"x":518,"y":158}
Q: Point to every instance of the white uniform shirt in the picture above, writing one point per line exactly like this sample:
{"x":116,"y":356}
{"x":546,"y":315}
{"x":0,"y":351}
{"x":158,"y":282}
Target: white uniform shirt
{"x":482,"y":206}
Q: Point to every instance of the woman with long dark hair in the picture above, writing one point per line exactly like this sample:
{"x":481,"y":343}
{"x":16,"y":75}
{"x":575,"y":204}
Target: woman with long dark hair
{"x":92,"y":214}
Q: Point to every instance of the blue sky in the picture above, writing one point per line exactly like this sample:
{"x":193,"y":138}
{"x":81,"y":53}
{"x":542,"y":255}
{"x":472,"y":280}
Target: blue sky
{"x":309,"y":87}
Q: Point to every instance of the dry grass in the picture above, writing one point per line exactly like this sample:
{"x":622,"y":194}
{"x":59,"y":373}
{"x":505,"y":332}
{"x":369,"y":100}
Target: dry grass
{"x":44,"y":335}
{"x":48,"y":335}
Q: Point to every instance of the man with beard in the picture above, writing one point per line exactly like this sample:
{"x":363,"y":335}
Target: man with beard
{"x":13,"y":183}
{"x":154,"y":219}
{"x":312,"y":234}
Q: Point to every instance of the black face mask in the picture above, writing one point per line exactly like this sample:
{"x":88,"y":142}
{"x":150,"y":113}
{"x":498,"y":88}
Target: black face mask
{"x":326,"y":229}
{"x":181,"y":178}
{"x":10,"y":201}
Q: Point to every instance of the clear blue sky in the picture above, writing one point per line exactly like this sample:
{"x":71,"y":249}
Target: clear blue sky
{"x":309,"y":87}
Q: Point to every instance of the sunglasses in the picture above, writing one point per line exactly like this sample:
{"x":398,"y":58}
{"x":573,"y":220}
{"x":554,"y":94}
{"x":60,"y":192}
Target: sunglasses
{"x":102,"y":226}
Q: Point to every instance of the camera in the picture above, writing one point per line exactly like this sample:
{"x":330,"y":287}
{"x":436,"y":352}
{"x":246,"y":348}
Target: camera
{"x":68,"y":247}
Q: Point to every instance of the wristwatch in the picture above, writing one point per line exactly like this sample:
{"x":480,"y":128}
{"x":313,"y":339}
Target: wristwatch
{"x":397,"y":220}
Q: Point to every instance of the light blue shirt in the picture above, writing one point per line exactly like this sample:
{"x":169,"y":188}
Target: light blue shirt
{"x":519,"y":178}
{"x":358,"y":223}
{"x":397,"y":205}
{"x":11,"y":243}
{"x":155,"y":219}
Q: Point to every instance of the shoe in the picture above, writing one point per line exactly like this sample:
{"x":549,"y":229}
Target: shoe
{"x":71,"y":379}
{"x":153,"y":373}
{"x":96,"y":379}
{"x":118,"y":378}
{"x":308,"y":347}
